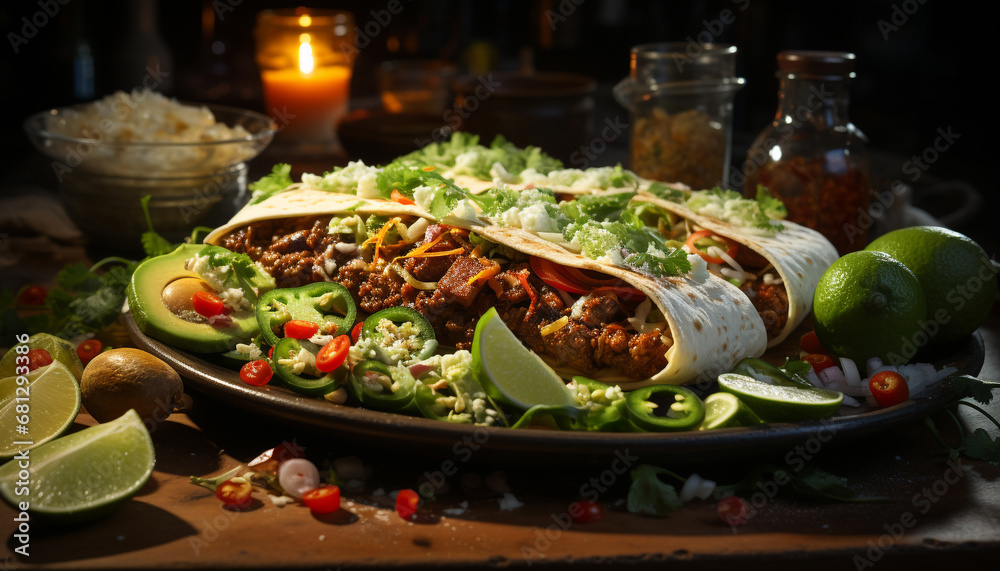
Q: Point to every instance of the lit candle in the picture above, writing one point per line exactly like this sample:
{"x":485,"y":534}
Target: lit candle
{"x":305,"y":61}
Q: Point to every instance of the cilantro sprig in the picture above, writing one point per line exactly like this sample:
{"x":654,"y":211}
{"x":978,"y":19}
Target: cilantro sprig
{"x":978,"y":444}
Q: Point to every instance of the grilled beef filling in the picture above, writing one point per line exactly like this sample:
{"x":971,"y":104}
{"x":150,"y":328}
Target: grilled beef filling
{"x":452,"y":285}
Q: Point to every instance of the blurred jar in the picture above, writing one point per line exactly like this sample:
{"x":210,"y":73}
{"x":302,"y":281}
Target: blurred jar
{"x":680,"y":100}
{"x":418,"y":86}
{"x":811,"y":156}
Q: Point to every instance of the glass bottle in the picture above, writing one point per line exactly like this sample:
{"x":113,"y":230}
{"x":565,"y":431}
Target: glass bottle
{"x":811,"y":156}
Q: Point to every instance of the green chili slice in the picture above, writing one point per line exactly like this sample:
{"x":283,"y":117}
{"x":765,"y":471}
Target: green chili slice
{"x":286,"y":350}
{"x":764,"y":371}
{"x":424,"y":345}
{"x":326,"y":303}
{"x":665,"y":408}
{"x":376,"y":387}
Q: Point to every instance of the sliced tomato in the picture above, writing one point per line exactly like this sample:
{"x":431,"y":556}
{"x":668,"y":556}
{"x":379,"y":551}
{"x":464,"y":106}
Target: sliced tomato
{"x":257,"y":373}
{"x":33,"y":294}
{"x":407,"y":503}
{"x":585,"y":511}
{"x":705,"y":239}
{"x":207,"y":304}
{"x":301,"y":329}
{"x":577,"y":281}
{"x":356,"y":332}
{"x":322,"y":500}
{"x":333,"y":354}
{"x":810,"y":344}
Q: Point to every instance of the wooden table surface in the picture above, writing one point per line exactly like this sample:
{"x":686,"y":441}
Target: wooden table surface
{"x":936,"y":512}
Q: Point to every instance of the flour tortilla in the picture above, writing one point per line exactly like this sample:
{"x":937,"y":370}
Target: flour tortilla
{"x":713,"y":325}
{"x":800,"y":255}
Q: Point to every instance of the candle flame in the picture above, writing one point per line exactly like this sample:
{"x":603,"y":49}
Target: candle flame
{"x":305,"y":21}
{"x":306,"y":63}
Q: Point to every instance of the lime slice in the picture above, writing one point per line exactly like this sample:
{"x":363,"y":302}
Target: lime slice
{"x":776,"y":403}
{"x":60,"y":349}
{"x":512,"y":373}
{"x":48,"y":401}
{"x":724,"y":410}
{"x":84,"y":475}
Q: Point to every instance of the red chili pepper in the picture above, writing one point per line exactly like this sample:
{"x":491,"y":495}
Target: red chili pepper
{"x":300,"y":329}
{"x":889,"y":388}
{"x":207,"y":304}
{"x":733,"y":510}
{"x":235,"y":493}
{"x":731,"y":247}
{"x":333,"y":354}
{"x":322,"y":500}
{"x":257,"y":373}
{"x":810,"y":344}
{"x":818,"y":361}
{"x":88,"y":349}
{"x":399,"y":197}
{"x":573,"y":280}
{"x":407,"y":502}
{"x":585,"y":511}
{"x":356,"y":332}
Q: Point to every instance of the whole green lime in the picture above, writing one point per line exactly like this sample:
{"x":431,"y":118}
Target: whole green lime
{"x":958,"y":280}
{"x":867,"y":304}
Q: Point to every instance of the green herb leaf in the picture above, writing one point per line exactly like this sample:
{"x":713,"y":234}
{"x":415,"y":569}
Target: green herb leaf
{"x":661,"y":190}
{"x":279,"y":179}
{"x":213,"y":483}
{"x":981,"y":446}
{"x":152,"y":243}
{"x":771,"y":207}
{"x":648,"y":495}
{"x":965,"y":386}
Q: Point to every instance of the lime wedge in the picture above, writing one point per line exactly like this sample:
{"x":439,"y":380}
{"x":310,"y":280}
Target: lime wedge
{"x":511,"y":373}
{"x":59,"y":349}
{"x":48,"y":402}
{"x":84,"y":475}
{"x":723,"y":410}
{"x":775,"y":403}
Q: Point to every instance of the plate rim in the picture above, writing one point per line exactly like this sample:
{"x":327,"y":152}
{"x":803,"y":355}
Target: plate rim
{"x":530,"y":445}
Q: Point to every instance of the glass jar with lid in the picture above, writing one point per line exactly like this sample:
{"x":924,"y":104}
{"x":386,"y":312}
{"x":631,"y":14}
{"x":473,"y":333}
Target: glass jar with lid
{"x":680,"y":102}
{"x":811,"y":156}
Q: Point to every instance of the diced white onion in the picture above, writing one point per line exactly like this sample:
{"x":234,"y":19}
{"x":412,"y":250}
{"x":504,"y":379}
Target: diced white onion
{"x":414,"y":282}
{"x":874,"y":364}
{"x":416,"y":230}
{"x":813,"y":378}
{"x":689,"y":488}
{"x":705,"y":490}
{"x":832,"y":375}
{"x":345,"y":247}
{"x":850,"y":371}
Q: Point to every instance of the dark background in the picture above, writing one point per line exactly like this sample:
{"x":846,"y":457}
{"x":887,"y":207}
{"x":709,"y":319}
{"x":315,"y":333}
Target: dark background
{"x":931,"y":72}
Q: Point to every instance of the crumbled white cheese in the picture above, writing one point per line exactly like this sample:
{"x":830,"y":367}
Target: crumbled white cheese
{"x":252,"y":351}
{"x":466,"y":210}
{"x":699,"y":269}
{"x":398,"y":341}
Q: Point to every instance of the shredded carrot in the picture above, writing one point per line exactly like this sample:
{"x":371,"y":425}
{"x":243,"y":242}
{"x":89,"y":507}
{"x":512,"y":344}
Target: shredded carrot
{"x":495,"y":286}
{"x":380,"y":237}
{"x":490,"y":271}
{"x":523,"y":278}
{"x":427,"y":169}
{"x":401,"y":198}
{"x":435,"y":254}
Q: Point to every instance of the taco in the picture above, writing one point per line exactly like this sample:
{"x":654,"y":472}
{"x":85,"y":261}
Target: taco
{"x":583,"y":315}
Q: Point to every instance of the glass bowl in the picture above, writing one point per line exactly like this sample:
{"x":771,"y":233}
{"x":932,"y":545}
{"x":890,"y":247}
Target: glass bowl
{"x":102,"y":179}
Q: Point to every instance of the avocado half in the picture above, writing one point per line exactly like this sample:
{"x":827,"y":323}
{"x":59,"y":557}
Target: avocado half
{"x":153,"y":318}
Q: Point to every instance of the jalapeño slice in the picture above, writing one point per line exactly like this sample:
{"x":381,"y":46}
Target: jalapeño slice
{"x":287,"y":350}
{"x":665,"y":408}
{"x":325,"y":303}
{"x":375,"y":386}
{"x":768,"y":373}
{"x":422,"y":345}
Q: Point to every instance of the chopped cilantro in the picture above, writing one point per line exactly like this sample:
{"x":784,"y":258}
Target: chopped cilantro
{"x":279,"y":179}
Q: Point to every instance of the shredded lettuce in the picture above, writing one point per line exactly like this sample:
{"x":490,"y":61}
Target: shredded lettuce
{"x":628,"y":242}
{"x":279,"y":179}
{"x":463,"y":155}
{"x":732,"y":207}
{"x":661,"y":190}
{"x":356,"y":178}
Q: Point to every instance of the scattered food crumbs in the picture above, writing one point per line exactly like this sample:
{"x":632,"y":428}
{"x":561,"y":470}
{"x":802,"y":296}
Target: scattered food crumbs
{"x":281,"y":501}
{"x":461,"y":509}
{"x":508,"y":502}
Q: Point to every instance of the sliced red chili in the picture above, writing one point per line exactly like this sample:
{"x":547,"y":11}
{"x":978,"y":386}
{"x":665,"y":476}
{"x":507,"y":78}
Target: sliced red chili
{"x":889,"y":388}
{"x":733,"y":510}
{"x":33,"y":295}
{"x":706,"y":236}
{"x":356,"y":332}
{"x":810,"y":344}
{"x":235,"y":492}
{"x":88,"y":349}
{"x":818,"y":361}
{"x":577,"y":281}
{"x":407,"y":502}
{"x":333,"y":354}
{"x":585,"y":511}
{"x":38,"y":358}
